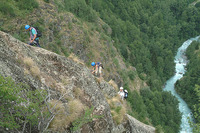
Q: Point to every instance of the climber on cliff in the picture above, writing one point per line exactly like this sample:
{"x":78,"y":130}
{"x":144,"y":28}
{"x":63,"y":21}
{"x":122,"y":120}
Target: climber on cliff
{"x":121,"y":93}
{"x":97,"y":68}
{"x":34,"y":35}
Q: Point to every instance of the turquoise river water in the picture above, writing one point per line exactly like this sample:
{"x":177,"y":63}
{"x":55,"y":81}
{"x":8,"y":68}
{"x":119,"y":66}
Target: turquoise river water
{"x":181,"y":62}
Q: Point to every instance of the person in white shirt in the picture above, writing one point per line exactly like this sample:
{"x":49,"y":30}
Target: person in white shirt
{"x":121,"y":93}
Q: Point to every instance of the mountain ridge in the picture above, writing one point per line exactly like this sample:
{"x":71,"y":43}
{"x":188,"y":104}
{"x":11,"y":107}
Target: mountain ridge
{"x":45,"y":70}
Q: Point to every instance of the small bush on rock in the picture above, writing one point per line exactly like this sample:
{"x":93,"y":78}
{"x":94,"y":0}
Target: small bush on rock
{"x":28,"y":61}
{"x":21,"y":107}
{"x":118,"y":109}
{"x":63,"y":119}
{"x":87,"y":117}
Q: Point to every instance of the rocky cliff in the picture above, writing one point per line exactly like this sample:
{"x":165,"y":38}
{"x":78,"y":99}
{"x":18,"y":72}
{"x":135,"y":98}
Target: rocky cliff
{"x":67,"y":80}
{"x":64,"y":33}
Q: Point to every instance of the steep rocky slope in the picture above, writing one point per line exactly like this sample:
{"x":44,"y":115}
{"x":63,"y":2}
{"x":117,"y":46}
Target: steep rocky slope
{"x":61,"y":77}
{"x":64,"y":33}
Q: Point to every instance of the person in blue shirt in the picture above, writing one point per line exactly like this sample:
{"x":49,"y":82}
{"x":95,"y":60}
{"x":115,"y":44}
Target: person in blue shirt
{"x":33,"y":36}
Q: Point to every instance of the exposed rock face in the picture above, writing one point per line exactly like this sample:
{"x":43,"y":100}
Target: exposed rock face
{"x":43,"y":69}
{"x":138,"y":127}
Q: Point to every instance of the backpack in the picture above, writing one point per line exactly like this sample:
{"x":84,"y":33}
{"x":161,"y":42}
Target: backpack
{"x":39,"y":33}
{"x":125,"y":94}
{"x":99,"y":64}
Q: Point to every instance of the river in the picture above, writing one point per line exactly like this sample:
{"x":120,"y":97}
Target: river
{"x":181,"y":61}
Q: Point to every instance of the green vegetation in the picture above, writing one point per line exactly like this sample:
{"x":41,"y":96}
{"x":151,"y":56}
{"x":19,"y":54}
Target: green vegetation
{"x":137,"y":105}
{"x":6,"y":9}
{"x":17,"y":7}
{"x":188,"y":86}
{"x":20,"y":106}
{"x":86,"y":118}
{"x":47,"y":1}
{"x":27,"y":4}
{"x":148,"y":30}
{"x":118,"y":108}
{"x":132,"y":74}
{"x":162,"y":106}
{"x":146,"y":33}
{"x":80,"y":8}
{"x":196,"y":126}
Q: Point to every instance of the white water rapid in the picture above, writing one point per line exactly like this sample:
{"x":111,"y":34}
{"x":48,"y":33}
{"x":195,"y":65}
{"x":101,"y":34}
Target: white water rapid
{"x":181,"y":62}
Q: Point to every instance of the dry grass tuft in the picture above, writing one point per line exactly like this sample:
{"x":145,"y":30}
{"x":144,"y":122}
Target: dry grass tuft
{"x":98,"y":80}
{"x":75,"y":58}
{"x":29,"y":62}
{"x":65,"y":80}
{"x":26,"y":72}
{"x":75,"y":107}
{"x":35,"y":71}
{"x":60,"y":87}
{"x":78,"y":93}
{"x":57,"y":106}
{"x":63,"y":119}
{"x":115,"y":99}
{"x":106,"y":96}
{"x":119,"y":114}
{"x":58,"y":123}
{"x":111,"y":82}
{"x":19,"y":58}
{"x":118,"y":109}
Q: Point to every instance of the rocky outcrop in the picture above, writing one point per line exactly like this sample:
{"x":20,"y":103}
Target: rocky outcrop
{"x":138,"y":127}
{"x":42,"y":69}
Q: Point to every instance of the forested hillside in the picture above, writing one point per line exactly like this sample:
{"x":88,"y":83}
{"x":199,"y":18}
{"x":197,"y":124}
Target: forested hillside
{"x":145,"y":33}
{"x":189,"y":86}
{"x":148,"y":33}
